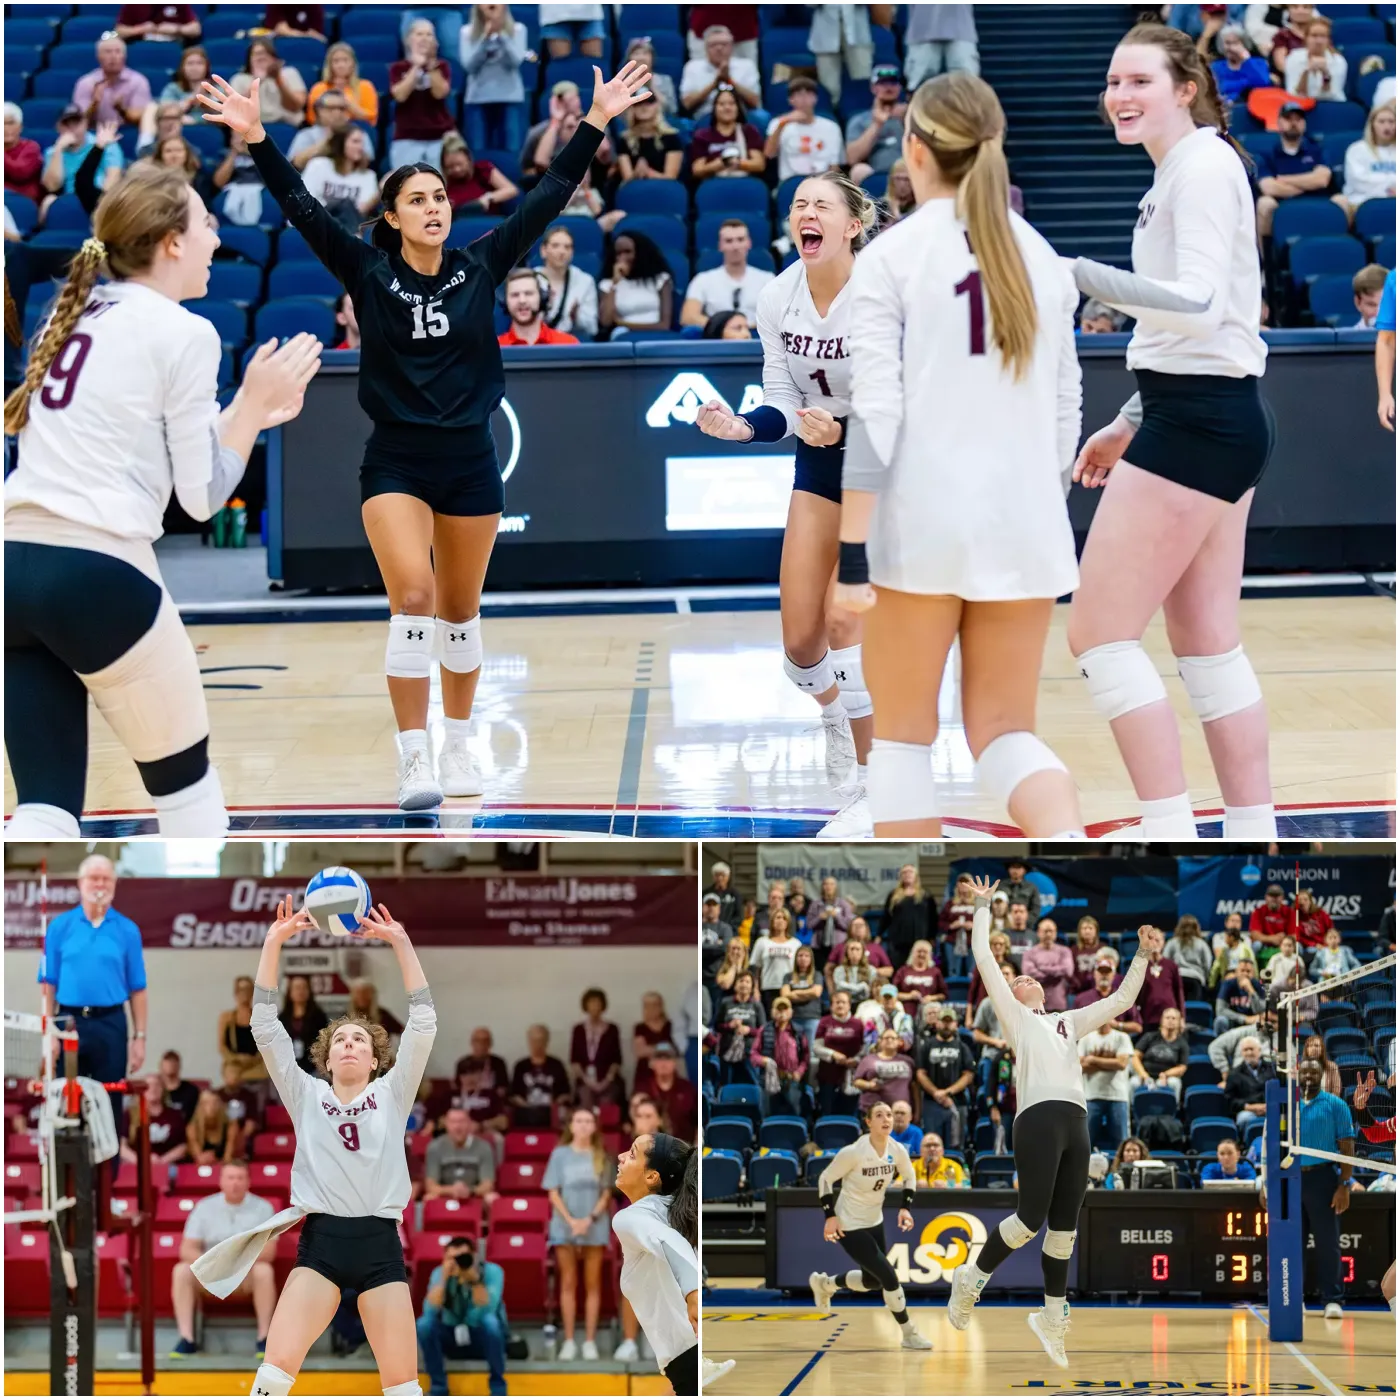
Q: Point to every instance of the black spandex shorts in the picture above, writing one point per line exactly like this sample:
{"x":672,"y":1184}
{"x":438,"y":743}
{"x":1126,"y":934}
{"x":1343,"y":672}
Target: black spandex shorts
{"x":453,"y":470}
{"x":1204,"y":431}
{"x":867,"y":1247}
{"x":359,"y":1252}
{"x":684,"y":1372}
{"x":818,"y":470}
{"x":1052,"y":1163}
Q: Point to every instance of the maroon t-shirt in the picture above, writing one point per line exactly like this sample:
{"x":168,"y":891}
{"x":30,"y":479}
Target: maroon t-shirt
{"x":740,"y":20}
{"x":875,"y":955}
{"x":421,"y":116}
{"x":653,"y":1039}
{"x":914,"y":984}
{"x":847,"y":1037}
{"x":678,"y":1105}
{"x":482,"y":1104}
{"x":603,"y":1053}
{"x":299,"y":17}
{"x":478,"y":183}
{"x":167,"y":1130}
{"x":494,"y":1074}
{"x":1161,"y":988}
{"x":156,"y":14}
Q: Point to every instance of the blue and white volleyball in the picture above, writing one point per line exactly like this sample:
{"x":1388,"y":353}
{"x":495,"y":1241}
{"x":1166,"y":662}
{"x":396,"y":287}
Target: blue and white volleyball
{"x":337,"y":899}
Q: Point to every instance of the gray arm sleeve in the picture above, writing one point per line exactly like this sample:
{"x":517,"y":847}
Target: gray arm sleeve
{"x":1118,"y":287}
{"x":422,"y":997}
{"x":264,"y":996}
{"x":683,"y":1266}
{"x":862,"y":469}
{"x":1132,"y":411}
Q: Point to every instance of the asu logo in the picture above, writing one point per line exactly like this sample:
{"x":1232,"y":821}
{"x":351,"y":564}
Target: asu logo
{"x":947,"y":1241}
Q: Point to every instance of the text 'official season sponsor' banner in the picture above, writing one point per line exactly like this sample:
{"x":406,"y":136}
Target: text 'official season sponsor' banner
{"x":1354,"y":890}
{"x":523,"y":910}
{"x":864,"y":873}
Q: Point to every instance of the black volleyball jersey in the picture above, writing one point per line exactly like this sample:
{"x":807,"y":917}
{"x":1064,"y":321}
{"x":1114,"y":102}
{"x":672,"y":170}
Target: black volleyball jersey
{"x":428,"y":349}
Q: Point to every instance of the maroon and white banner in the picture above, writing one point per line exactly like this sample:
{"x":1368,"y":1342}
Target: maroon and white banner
{"x":528,"y":911}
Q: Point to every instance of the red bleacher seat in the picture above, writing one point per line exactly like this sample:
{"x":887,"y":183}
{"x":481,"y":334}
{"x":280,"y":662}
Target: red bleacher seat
{"x":21,"y":1147}
{"x":277,"y":1119}
{"x":125,"y":1178}
{"x":174,"y":1210}
{"x":26,"y":1271}
{"x":271,"y":1176}
{"x":439,"y":1096}
{"x":524,"y":1256}
{"x":609,"y":1116}
{"x":425,"y":1251}
{"x":521,"y":1213}
{"x":25,"y":1177}
{"x":520,"y":1177}
{"x":125,"y":1204}
{"x":274,"y":1147}
{"x":533,"y":1143}
{"x":13,"y":1203}
{"x":461,"y":1217}
{"x":191,"y":1179}
{"x":165,"y":1254}
{"x":286,"y":1259}
{"x":613,"y":1143}
{"x":113,"y":1298}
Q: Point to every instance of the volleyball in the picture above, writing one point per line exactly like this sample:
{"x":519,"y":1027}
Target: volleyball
{"x":337,"y":899}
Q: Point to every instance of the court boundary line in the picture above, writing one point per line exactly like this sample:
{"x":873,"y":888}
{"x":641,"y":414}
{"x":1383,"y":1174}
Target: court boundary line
{"x":629,"y":778}
{"x":1331,"y":1386}
{"x":813,"y":1361}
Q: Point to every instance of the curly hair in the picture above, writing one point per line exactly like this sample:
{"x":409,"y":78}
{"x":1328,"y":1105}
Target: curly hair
{"x":378,"y":1037}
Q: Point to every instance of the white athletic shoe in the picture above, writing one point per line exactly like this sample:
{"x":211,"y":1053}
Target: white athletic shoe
{"x":1333,"y":1312}
{"x":568,"y":1351}
{"x":418,"y":789}
{"x":852,"y":821}
{"x":590,"y":1351}
{"x":627,"y":1351}
{"x":823,"y":1290}
{"x":912,"y":1339}
{"x":840,"y":749}
{"x":711,"y":1371}
{"x":1051,"y":1332}
{"x":966,"y":1294}
{"x":458,"y":773}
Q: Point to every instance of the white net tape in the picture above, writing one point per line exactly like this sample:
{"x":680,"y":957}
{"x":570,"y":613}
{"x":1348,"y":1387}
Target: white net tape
{"x":1369,"y":993}
{"x":28,"y":1078}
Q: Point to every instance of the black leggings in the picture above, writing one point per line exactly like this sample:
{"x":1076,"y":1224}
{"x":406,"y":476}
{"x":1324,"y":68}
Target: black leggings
{"x":1052,"y":1170}
{"x":867,"y":1247}
{"x":684,"y":1372}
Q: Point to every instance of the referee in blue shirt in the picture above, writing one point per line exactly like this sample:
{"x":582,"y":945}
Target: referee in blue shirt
{"x":1325,"y":1125}
{"x":92,"y":967}
{"x":1385,"y":354}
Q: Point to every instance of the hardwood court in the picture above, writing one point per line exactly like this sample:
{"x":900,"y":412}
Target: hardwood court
{"x":1150,"y":1349}
{"x":682,"y":723}
{"x":182,"y":1381}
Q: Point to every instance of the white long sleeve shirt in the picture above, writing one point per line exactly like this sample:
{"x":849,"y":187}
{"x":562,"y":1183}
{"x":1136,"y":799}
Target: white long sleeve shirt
{"x":659,"y":1271}
{"x":1368,"y":173}
{"x":865,"y":1177}
{"x":806,"y":356}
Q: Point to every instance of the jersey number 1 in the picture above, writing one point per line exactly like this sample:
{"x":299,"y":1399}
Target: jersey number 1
{"x":820,"y":376}
{"x":977,"y":336}
{"x":429,"y":320}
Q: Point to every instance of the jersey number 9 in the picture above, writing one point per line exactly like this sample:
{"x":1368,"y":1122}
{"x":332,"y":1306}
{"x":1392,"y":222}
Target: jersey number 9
{"x":63,"y":373}
{"x":350,"y":1136}
{"x":429,"y":321}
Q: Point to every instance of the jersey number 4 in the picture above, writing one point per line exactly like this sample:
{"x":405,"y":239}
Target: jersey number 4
{"x":429,"y":321}
{"x":350,"y":1136}
{"x":1060,"y":1030}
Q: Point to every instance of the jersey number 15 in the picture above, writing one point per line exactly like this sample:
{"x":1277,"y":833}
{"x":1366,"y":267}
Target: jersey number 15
{"x":429,"y":321}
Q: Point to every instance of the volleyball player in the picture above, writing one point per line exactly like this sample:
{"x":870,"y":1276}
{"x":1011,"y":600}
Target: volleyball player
{"x":1375,"y":1129}
{"x":1184,"y":455}
{"x":1050,"y":1134}
{"x":865,"y":1169}
{"x":430,"y":379}
{"x":350,"y":1182}
{"x":116,"y":411}
{"x":805,"y":326}
{"x":658,"y":1230}
{"x":965,"y":398}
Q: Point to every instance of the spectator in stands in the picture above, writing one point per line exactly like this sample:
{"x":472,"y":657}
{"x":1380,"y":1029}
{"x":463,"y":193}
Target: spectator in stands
{"x":332,"y":115}
{"x":804,"y":989}
{"x":1325,"y":1125}
{"x":1310,"y":920}
{"x":879,"y":959}
{"x":899,"y":194}
{"x":483,"y":1058}
{"x":1238,"y":72}
{"x":159,"y":23}
{"x":893,"y":1016}
{"x":1293,"y":167}
{"x":938,"y":39}
{"x":66,"y":156}
{"x":539,"y":1082}
{"x":741,"y":20}
{"x":342,"y":181}
{"x":911,"y":914}
{"x":1289,"y":37}
{"x":213,"y":1220}
{"x":473,"y":186}
{"x":976,"y":992}
{"x":1019,"y":889}
{"x":1097,"y":319}
{"x":1385,"y":411}
{"x":595,"y":1053}
{"x":1001,"y":906}
{"x":730,"y":146}
{"x":933,"y":1168}
{"x":525,"y":307}
{"x":459,"y":1163}
{"x":463,"y":1317}
{"x":178,"y":1091}
{"x":1229,"y":946}
{"x":1244,"y":1085}
{"x":167,"y":122}
{"x":674,"y":1096}
{"x":565,"y":28}
{"x":1366,"y":289}
{"x":1283,"y":963}
{"x":945,"y":1073}
{"x":281,"y":91}
{"x":349,"y":326}
{"x":1314,"y":1048}
{"x":955,"y":924}
{"x":1104,"y":1056}
{"x":729,"y":906}
{"x":447,"y":22}
{"x":210,"y":1135}
{"x":235,"y":1035}
{"x":341,"y":73}
{"x":1051,"y":963}
{"x":733,"y":286}
{"x":542,"y":139}
{"x":919,"y":979}
{"x":885,"y":1076}
{"x":1161,"y":989}
{"x":715,"y":938}
{"x":1316,"y":70}
{"x":1271,"y":920}
{"x":1192,"y":956}
{"x":1240,"y":998}
{"x":580,"y":1190}
{"x":240,"y":1102}
{"x":1104,"y":981}
{"x":1018,"y":929}
{"x":571,"y":303}
{"x":799,"y":140}
{"x":650,"y":1031}
{"x":23,"y":158}
{"x":636,"y":295}
{"x":420,"y":83}
{"x":1224,"y":1050}
{"x":719,"y":70}
{"x":837,"y":1047}
{"x":651,"y":147}
{"x":830,"y":915}
{"x":780,"y":1054}
{"x":296,"y":21}
{"x":482,"y":1085}
{"x":1089,"y":951}
{"x":736,"y":961}
{"x":493,"y":46}
{"x":112,"y":92}
{"x":167,"y":1127}
{"x":641,"y":50}
{"x":874,"y":138}
{"x":905,"y":1133}
{"x":1130,"y":1150}
{"x":644,"y":1116}
{"x":840,"y":39}
{"x":850,"y":971}
{"x":1228,"y":1165}
{"x":303,"y":1018}
{"x":242,"y":184}
{"x":772,"y":956}
{"x":182,"y":90}
{"x":1160,"y":1055}
{"x":364,"y":1001}
{"x":777,"y":899}
{"x":1333,"y":958}
{"x":738,"y":1020}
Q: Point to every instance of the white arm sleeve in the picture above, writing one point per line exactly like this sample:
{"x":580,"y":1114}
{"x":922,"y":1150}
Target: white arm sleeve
{"x":1089,"y":1018}
{"x":780,"y":390}
{"x":839,"y":1166}
{"x":204,"y":472}
{"x":877,"y":372}
{"x":411,"y":1062}
{"x":1069,"y":385}
{"x":280,"y":1056}
{"x":1009,"y":1010}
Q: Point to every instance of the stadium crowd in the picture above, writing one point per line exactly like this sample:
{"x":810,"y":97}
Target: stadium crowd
{"x":815,"y":1010}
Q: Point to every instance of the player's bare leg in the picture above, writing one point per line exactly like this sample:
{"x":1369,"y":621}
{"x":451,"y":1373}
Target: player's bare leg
{"x":392,"y":1332}
{"x":305,"y":1309}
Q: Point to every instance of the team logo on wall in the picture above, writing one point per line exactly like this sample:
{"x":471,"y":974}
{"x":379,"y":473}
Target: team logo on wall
{"x":682,"y":399}
{"x":513,"y":424}
{"x":946,"y":1242}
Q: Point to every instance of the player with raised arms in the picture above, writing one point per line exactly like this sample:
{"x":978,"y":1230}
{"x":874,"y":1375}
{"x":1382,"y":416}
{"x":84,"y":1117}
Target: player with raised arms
{"x":1375,"y":1129}
{"x":965,"y":396}
{"x":1183,"y":457}
{"x":865,"y":1170}
{"x":117,"y":411}
{"x":1051,"y":1131}
{"x":430,"y":378}
{"x":804,"y":323}
{"x":350,"y":1183}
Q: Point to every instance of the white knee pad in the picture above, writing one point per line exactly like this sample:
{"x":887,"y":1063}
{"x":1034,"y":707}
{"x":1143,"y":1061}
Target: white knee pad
{"x":37,"y":821}
{"x":407,"y":1388}
{"x":1121,"y":678}
{"x":1012,"y":758}
{"x":459,"y":645}
{"x":1015,"y":1231}
{"x":1059,"y":1244}
{"x":894,"y":1299}
{"x":272,"y":1380}
{"x":153,"y":696}
{"x":845,"y":663}
{"x":815,"y":680}
{"x":1219,"y":685}
{"x":900,"y":782}
{"x":409,"y":653}
{"x":855,"y":1281}
{"x":197,"y":810}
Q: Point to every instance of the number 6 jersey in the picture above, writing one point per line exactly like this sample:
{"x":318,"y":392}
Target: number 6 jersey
{"x":866,"y":1177}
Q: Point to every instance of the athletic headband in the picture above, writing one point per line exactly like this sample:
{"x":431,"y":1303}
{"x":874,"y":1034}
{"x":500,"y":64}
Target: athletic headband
{"x":668,"y":1158}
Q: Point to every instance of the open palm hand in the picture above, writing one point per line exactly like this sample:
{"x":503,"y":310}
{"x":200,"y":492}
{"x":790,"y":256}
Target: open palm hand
{"x":613,"y":98}
{"x":229,"y":107}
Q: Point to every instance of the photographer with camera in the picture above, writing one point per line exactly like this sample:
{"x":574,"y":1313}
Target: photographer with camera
{"x":463,"y":1318}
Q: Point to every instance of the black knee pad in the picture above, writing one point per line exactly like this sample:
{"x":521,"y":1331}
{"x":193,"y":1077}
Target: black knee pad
{"x":165,"y":776}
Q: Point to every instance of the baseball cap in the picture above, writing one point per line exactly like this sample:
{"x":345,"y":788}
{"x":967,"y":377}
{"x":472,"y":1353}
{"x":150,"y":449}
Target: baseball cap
{"x":564,"y":89}
{"x":70,"y":113}
{"x":947,"y":1013}
{"x":1104,"y":965}
{"x":1292,"y":107}
{"x":710,"y":899}
{"x":665,"y":1049}
{"x":885,"y":73}
{"x":889,"y":990}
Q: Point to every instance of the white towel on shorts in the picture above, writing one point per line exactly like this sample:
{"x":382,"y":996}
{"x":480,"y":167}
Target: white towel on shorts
{"x":222,"y":1268}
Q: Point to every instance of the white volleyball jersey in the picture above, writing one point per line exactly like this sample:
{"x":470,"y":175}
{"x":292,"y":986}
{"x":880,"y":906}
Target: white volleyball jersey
{"x":126,"y":414}
{"x":1047,"y":1043}
{"x":950,"y":438}
{"x":350,"y":1158}
{"x":806,"y":357}
{"x":866,"y":1177}
{"x":1194,"y":288}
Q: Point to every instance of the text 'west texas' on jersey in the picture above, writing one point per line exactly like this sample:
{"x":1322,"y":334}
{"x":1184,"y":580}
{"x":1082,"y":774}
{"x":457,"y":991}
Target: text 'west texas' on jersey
{"x":428,"y":351}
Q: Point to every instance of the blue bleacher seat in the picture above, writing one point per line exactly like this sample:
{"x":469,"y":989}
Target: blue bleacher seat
{"x":209,"y":141}
{"x":227,"y":56}
{"x":469,"y":229}
{"x":733,"y":1133}
{"x":588,"y":237}
{"x":1200,"y":1013}
{"x":984,"y":1135}
{"x":707,"y":228}
{"x":293,"y":315}
{"x":1334,"y":150}
{"x":250,"y":243}
{"x":229,"y":320}
{"x":786,"y":191}
{"x":23,"y":211}
{"x":710,"y":1069}
{"x":281,"y":134}
{"x":992,"y":1170}
{"x":41,"y":116}
{"x":1345,"y":1041}
{"x":269,"y":219}
{"x":816,"y":1164}
{"x":24,"y":31}
{"x":720,"y":1177}
{"x":834,"y":1132}
{"x":773,"y":1168}
{"x":1366,"y":85}
{"x":1202,"y":1101}
{"x":1308,"y":218}
{"x":1374,"y":218}
{"x":67,"y":213}
{"x":740,"y":196}
{"x":52,"y":82}
{"x":1150,"y":1101}
{"x":1253,"y":1130}
{"x":153,"y":61}
{"x":1338,"y":1013}
{"x":228,"y":21}
{"x":88,"y":26}
{"x":785,"y":1132}
{"x":298,"y":49}
{"x":508,"y":163}
{"x":742,"y":1101}
{"x":666,"y":231}
{"x":1356,"y":30}
{"x":238,"y":282}
{"x":653,"y":197}
{"x":1311,"y":257}
{"x":1331,"y":301}
{"x":1327,"y":117}
{"x":1207,"y":1132}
